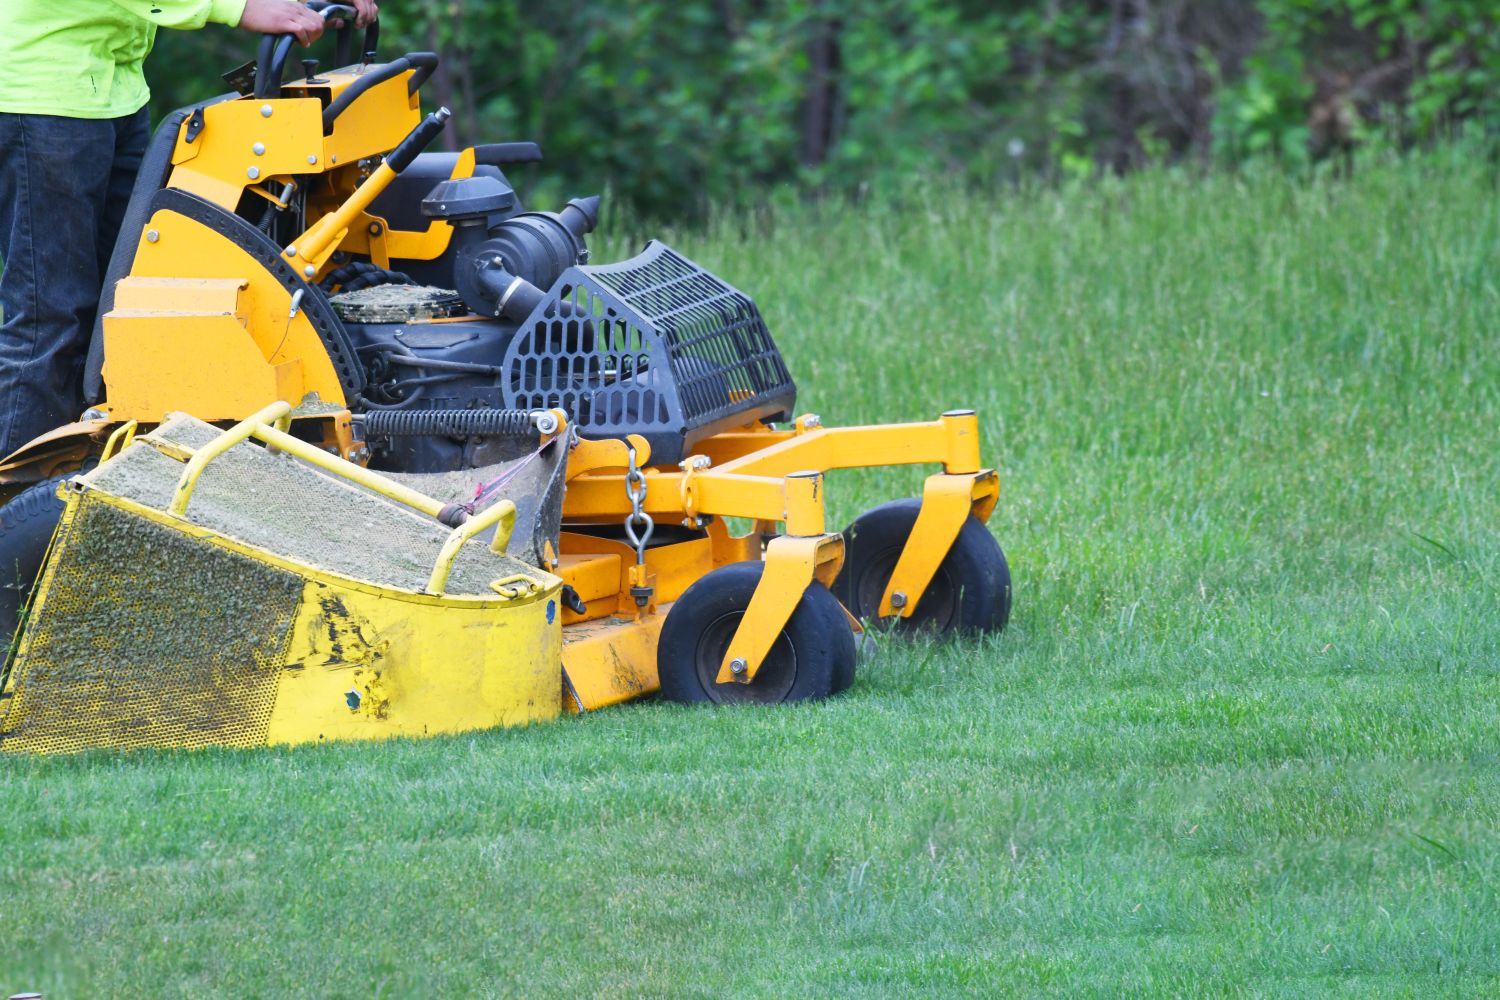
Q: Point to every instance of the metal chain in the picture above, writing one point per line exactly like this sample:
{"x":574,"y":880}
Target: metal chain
{"x":635,"y":489}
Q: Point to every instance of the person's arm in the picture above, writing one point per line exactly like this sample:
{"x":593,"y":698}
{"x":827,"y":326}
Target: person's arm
{"x":186,"y":13}
{"x":277,"y":17}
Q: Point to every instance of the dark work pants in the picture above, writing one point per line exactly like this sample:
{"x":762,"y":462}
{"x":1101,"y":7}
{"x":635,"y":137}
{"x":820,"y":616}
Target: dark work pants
{"x":64,"y":186}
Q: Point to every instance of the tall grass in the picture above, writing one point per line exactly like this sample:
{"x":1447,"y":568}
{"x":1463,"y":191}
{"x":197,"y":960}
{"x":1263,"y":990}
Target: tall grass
{"x":1240,"y":738}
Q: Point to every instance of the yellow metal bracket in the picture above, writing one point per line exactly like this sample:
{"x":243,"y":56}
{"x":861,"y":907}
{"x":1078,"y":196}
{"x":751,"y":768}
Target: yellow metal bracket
{"x":260,"y":426}
{"x":516,"y":585}
{"x":241,"y":431}
{"x":947,"y":501}
{"x":500,"y":515}
{"x":264,"y":426}
{"x":792,"y":564}
{"x":120,"y":438}
{"x":312,"y":249}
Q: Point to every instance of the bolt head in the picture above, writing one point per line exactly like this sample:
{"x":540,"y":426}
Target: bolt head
{"x":259,"y":149}
{"x":311,"y":160}
{"x":291,"y":251}
{"x":254,"y":173}
{"x":738,"y":666}
{"x":152,"y":236}
{"x":266,"y":110}
{"x":309,"y":270}
{"x":898,"y":599}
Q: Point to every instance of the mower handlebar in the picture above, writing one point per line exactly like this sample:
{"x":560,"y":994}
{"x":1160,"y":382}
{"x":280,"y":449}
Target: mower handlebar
{"x":270,"y":62}
{"x":421,"y":63}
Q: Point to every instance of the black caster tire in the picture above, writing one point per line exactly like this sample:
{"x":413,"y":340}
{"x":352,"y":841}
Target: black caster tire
{"x":970,"y":593}
{"x":26,"y":526}
{"x":813,"y":656}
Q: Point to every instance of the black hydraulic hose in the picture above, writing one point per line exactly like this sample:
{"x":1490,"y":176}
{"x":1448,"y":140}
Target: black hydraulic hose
{"x":423,"y":62}
{"x":439,"y":365}
{"x":361,"y":274}
{"x":425,"y":380}
{"x":369,"y":403}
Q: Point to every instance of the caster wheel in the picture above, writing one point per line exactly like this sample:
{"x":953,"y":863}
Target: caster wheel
{"x":970,"y":592}
{"x":813,"y":656}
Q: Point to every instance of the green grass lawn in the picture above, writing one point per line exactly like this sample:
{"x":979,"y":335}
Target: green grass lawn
{"x":1241,"y":737}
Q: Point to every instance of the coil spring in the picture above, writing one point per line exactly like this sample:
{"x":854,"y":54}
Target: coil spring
{"x":449,"y":423}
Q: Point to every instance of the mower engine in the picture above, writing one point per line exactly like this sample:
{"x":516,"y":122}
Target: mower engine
{"x":654,"y":345}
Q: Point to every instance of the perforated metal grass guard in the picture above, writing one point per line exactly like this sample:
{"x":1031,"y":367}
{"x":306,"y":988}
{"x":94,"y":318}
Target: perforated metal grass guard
{"x":654,"y":346}
{"x":286,"y":607}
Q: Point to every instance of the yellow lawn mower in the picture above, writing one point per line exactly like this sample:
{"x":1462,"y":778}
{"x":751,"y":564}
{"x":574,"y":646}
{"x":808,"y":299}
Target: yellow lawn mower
{"x":374,"y":451}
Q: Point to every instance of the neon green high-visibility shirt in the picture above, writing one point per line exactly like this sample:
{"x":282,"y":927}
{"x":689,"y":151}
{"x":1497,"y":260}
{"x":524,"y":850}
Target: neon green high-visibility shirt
{"x":84,"y":58}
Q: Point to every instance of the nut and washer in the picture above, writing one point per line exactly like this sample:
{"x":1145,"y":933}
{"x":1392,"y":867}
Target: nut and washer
{"x":738,"y":666}
{"x":898,"y":599}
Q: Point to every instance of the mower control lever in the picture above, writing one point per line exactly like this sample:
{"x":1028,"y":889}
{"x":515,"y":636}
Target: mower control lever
{"x":311,"y":248}
{"x":418,"y":139}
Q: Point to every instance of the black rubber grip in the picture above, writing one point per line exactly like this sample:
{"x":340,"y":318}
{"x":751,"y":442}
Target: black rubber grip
{"x":501,"y":154}
{"x":418,"y":139}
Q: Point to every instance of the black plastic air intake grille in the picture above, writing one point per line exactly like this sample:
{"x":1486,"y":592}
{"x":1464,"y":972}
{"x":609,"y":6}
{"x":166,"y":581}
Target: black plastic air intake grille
{"x":654,"y":346}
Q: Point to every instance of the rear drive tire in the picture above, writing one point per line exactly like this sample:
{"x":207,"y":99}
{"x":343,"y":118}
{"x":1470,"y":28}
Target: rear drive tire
{"x":970,"y":593}
{"x":812,"y":657}
{"x":26,"y":526}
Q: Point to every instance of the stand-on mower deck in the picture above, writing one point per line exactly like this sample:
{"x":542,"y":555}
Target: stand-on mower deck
{"x":441,"y":473}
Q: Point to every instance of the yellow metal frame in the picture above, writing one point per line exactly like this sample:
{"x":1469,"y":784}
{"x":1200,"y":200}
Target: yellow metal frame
{"x":948,"y":499}
{"x":778,"y":476}
{"x":262,"y":426}
{"x":207,"y":329}
{"x":419,"y":663}
{"x":500,"y":515}
{"x":120,"y":439}
{"x":177,"y":353}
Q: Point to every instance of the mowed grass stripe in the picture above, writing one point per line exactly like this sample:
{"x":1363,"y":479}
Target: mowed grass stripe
{"x":1241,"y":737}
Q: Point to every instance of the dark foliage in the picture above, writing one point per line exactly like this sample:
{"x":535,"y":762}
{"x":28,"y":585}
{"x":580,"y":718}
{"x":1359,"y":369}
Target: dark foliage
{"x":680,"y":104}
